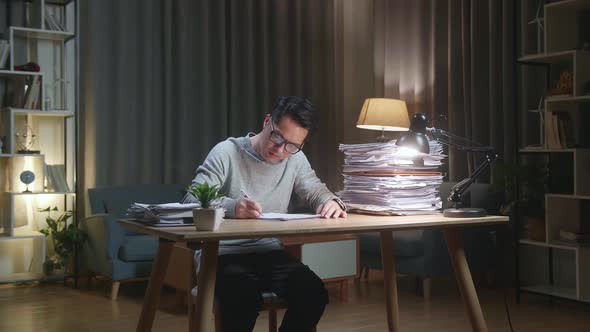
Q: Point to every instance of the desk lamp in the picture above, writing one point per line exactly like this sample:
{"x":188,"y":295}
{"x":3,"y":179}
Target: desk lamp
{"x":384,"y":114}
{"x":417,"y":139}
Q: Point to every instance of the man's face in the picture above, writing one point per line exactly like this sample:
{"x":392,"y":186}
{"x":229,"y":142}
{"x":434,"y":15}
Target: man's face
{"x":286,"y":131}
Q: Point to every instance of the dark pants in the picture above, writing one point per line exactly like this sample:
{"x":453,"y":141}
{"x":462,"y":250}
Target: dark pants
{"x":241,"y":279}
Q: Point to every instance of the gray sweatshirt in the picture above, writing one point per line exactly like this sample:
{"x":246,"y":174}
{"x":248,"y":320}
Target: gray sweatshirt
{"x":234,"y":166}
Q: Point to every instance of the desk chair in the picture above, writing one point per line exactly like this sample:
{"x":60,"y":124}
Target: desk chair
{"x":270,"y":301}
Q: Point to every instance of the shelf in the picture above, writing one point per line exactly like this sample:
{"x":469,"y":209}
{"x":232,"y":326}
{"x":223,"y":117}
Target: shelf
{"x":22,"y":234}
{"x":547,"y":245}
{"x":543,"y":150}
{"x":569,"y":5}
{"x":567,"y":196}
{"x":43,"y":193}
{"x":29,"y":276}
{"x":567,"y":293}
{"x":36,"y":112}
{"x":12,"y":155}
{"x":548,"y":57}
{"x":42,"y":34}
{"x":58,"y":2}
{"x":558,"y":99}
{"x":5,"y":73}
{"x":27,"y":233}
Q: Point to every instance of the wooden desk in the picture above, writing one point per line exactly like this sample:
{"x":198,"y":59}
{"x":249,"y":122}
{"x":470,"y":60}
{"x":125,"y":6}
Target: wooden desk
{"x":241,"y":229}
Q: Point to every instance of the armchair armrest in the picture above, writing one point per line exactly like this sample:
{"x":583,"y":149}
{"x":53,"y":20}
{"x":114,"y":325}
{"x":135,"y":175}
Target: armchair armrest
{"x":105,"y":236}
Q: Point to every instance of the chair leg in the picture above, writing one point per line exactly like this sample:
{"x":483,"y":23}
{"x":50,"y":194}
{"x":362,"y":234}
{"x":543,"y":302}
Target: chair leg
{"x":365,"y":272}
{"x":426,"y":288}
{"x":115,"y":290}
{"x":217,"y":316}
{"x":272,"y":320}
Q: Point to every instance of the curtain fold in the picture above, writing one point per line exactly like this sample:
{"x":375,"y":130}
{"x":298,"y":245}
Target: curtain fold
{"x":164,"y":81}
{"x":453,"y":60}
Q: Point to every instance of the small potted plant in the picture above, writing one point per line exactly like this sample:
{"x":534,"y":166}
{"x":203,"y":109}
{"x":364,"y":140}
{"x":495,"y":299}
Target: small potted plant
{"x":208,"y":217}
{"x":65,"y":236}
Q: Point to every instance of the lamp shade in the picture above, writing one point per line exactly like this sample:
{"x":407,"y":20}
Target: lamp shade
{"x":416,"y":138}
{"x":384,"y":114}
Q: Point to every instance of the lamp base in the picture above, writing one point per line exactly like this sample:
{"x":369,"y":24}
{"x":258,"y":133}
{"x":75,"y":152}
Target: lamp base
{"x":464,"y":213}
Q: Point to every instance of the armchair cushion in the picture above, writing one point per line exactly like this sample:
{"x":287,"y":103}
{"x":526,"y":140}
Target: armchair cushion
{"x":138,"y":248}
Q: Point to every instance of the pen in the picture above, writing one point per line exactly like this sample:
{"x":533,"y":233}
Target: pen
{"x":244,"y":193}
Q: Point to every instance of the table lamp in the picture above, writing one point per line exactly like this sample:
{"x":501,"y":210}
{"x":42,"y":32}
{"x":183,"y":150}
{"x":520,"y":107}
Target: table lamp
{"x":384,"y":114}
{"x":417,"y":139}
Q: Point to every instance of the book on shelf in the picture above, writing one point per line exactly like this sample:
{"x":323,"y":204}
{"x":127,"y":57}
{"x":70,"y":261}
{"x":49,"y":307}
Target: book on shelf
{"x":56,"y":178}
{"x":4,"y":53}
{"x":33,"y":93}
{"x":559,"y":131}
{"x":52,"y":23}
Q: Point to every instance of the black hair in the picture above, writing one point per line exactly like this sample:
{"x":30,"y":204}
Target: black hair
{"x":300,"y":109}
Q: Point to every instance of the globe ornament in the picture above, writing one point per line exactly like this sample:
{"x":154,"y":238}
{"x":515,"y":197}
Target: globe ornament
{"x":27,"y":177}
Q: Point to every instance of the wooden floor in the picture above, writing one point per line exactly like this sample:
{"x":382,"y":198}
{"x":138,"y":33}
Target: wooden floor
{"x":53,"y":307}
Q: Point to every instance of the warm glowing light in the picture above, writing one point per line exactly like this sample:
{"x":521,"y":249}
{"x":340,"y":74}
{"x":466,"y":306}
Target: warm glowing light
{"x":407,"y":152}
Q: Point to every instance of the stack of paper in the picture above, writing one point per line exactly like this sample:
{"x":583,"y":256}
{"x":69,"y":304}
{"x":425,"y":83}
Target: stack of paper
{"x":168,"y":214}
{"x":382,"y":178}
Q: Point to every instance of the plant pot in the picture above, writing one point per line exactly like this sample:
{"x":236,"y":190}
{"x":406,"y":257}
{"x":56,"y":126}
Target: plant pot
{"x":207,"y":219}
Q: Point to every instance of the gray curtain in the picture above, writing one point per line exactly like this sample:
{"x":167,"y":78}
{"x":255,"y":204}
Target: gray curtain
{"x":453,"y":58}
{"x":164,"y":81}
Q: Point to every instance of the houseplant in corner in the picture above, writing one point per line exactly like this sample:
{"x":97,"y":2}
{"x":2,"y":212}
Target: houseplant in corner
{"x":65,"y":238}
{"x":208,"y":217}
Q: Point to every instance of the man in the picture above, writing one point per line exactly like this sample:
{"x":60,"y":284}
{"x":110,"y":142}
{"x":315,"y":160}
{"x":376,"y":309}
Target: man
{"x":258,"y":174}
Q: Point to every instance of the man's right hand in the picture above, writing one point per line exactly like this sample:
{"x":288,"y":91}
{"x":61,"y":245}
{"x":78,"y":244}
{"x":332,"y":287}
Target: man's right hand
{"x":248,"y":209}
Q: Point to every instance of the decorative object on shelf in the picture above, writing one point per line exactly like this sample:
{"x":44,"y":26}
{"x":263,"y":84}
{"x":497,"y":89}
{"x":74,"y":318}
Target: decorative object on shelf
{"x":60,"y":96}
{"x":2,"y":138}
{"x":27,"y":177}
{"x":208,"y":217}
{"x":384,"y":114}
{"x":27,"y":13}
{"x":47,"y":102}
{"x":29,"y":66}
{"x":539,"y":22}
{"x":65,"y":238}
{"x":25,"y":140}
{"x":586,"y":88}
{"x":416,"y":139}
{"x":564,"y":85}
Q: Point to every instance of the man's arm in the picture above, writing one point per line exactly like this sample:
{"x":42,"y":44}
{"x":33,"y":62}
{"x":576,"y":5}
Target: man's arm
{"x":309,"y":187}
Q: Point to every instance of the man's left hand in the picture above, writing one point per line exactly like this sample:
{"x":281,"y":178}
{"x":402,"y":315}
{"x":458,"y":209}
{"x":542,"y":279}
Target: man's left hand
{"x":331,"y":209}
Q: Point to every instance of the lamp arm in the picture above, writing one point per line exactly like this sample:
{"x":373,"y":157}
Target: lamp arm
{"x":458,"y":189}
{"x":464,"y":144}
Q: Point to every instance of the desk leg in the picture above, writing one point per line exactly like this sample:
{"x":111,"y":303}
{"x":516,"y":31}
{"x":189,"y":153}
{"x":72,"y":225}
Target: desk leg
{"x":203,"y":315}
{"x":463,"y":276}
{"x":390,"y":281}
{"x":192,"y":282}
{"x":152,"y":295}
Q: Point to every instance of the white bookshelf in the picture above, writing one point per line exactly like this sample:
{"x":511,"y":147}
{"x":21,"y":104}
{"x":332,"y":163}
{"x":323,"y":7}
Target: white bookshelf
{"x":53,"y":119}
{"x":551,"y":266}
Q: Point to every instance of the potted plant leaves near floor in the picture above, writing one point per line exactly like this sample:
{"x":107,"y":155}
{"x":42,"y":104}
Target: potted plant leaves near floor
{"x":208,"y":217}
{"x":65,"y":237}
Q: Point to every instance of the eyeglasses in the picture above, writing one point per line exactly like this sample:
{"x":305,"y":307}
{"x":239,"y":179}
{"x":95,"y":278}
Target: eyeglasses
{"x":278,"y":139}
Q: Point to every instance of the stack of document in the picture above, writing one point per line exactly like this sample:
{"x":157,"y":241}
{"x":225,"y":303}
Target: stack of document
{"x":168,"y":214}
{"x":382,"y":178}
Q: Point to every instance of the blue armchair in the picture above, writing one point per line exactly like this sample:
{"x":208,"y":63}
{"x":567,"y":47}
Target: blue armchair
{"x":423,"y":253}
{"x":111,"y":250}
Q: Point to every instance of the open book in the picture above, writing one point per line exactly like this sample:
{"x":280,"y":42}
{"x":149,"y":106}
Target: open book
{"x":287,"y":216}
